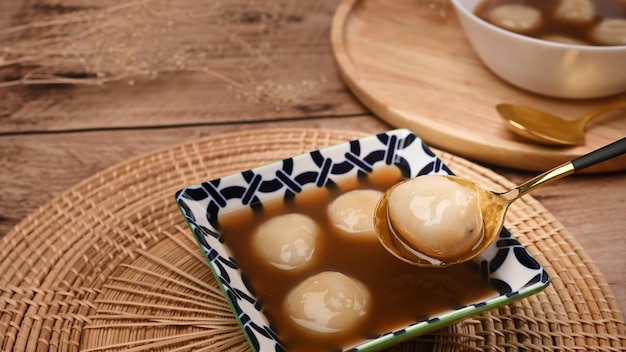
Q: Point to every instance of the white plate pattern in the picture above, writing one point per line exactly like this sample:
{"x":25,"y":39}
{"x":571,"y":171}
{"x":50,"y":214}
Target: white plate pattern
{"x":510,"y":269}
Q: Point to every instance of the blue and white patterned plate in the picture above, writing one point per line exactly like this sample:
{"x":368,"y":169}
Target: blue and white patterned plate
{"x":511,"y":270}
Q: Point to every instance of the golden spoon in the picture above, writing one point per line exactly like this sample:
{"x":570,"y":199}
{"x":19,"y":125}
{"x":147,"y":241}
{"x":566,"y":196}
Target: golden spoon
{"x":493,"y":207}
{"x":545,"y":128}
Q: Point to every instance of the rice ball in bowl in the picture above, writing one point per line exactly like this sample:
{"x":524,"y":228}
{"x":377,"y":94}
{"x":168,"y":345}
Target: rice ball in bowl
{"x":328,"y":302}
{"x":562,"y":69}
{"x":287,"y":241}
{"x":352,"y":213}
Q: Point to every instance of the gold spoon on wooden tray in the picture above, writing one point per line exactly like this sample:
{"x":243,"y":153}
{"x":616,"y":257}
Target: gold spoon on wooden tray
{"x":545,"y":128}
{"x":431,"y":220}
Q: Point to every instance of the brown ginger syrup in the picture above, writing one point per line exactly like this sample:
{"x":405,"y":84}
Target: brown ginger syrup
{"x":401,"y":294}
{"x":552,"y":25}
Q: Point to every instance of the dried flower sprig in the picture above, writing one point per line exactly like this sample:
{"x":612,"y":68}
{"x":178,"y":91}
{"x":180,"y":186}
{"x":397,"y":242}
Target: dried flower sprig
{"x":441,"y":6}
{"x":87,"y":47}
{"x":144,"y":38}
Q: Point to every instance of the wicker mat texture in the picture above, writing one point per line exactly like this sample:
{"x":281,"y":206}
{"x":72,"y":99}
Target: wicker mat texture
{"x":110,"y":264}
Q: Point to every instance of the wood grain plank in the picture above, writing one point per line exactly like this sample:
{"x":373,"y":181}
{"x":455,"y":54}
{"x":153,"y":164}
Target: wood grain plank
{"x":185,"y":98}
{"x":262,"y":62}
{"x":36,"y":167}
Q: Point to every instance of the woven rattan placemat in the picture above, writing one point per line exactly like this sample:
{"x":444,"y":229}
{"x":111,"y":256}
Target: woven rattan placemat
{"x":110,"y":264}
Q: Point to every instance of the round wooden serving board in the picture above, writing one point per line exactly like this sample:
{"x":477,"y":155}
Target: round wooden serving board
{"x":415,"y":69}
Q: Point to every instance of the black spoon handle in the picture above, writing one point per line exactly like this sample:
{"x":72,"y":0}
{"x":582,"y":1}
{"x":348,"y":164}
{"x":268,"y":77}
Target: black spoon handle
{"x":597,"y":156}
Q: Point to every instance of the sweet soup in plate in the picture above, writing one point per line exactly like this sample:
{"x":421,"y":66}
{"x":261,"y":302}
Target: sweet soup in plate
{"x":324,"y":280}
{"x":582,"y":22}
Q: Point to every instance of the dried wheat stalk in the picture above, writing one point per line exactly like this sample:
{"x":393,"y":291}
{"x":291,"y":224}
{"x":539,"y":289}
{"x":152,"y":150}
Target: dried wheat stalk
{"x":141,"y":38}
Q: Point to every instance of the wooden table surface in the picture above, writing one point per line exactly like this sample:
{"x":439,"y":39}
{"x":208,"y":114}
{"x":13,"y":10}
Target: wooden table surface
{"x":249,"y":65}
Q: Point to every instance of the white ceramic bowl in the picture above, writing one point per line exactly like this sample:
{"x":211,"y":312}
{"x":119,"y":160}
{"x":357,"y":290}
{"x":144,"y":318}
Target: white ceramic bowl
{"x":543,"y":67}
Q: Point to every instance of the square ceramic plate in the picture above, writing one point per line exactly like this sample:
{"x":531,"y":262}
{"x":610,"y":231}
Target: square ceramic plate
{"x":509,"y":268}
